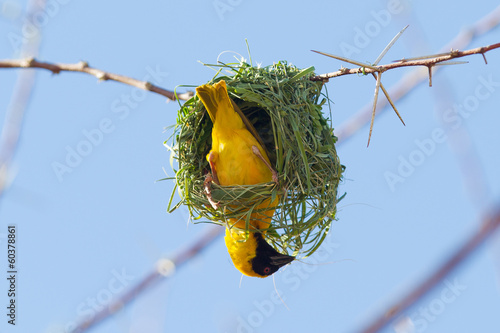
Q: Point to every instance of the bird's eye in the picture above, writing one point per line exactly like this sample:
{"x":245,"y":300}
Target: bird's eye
{"x":267,"y":270}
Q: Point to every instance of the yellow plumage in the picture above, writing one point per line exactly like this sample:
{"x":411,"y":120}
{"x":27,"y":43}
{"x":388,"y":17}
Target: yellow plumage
{"x":234,"y":161}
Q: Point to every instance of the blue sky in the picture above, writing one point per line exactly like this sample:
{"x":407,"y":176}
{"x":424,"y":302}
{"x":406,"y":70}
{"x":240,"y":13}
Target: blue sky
{"x":90,"y":234}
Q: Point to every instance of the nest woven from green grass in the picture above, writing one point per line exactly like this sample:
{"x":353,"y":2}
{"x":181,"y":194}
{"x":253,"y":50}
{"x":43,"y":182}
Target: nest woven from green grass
{"x":285,"y":107}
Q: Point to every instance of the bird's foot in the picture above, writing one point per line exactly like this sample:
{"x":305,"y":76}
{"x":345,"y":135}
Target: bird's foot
{"x":256,"y":151}
{"x":207,"y":185}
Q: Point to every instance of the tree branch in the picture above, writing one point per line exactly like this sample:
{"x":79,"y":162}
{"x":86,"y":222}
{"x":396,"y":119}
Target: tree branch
{"x":427,"y":61}
{"x":83,"y":67}
{"x":417,"y":76}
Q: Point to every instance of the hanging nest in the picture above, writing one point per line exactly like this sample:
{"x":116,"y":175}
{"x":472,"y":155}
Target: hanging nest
{"x":285,"y":107}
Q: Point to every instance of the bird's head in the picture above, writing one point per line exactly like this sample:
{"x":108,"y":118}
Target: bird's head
{"x":255,"y":257}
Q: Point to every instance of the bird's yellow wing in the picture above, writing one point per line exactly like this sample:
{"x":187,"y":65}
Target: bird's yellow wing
{"x":232,"y":143}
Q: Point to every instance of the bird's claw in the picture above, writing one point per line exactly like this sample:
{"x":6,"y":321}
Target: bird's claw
{"x":207,"y":185}
{"x":256,"y":151}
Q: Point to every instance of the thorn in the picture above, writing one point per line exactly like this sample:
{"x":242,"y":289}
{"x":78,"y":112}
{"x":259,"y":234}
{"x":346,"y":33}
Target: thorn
{"x":448,"y":62}
{"x":375,"y":98}
{"x":430,"y":75}
{"x":354,"y":62}
{"x":400,"y":60}
{"x":391,"y":43}
{"x":386,"y":93}
{"x":484,"y":57}
{"x":431,"y":56}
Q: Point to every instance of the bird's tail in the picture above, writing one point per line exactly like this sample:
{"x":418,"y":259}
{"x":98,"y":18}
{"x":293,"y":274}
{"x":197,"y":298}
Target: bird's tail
{"x":218,"y":103}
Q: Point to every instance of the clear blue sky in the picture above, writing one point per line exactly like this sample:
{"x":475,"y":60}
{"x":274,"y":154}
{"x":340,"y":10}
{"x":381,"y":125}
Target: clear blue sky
{"x":97,"y":230}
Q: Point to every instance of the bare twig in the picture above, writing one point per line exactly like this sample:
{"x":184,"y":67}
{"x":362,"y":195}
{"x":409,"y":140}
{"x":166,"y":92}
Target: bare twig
{"x":164,"y":269}
{"x":427,"y":61}
{"x":487,"y":229}
{"x":83,"y":67}
{"x":377,"y":78}
{"x":417,"y":76}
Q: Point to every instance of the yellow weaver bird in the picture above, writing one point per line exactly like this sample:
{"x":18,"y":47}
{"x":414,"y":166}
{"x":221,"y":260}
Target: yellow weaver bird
{"x":237,"y":158}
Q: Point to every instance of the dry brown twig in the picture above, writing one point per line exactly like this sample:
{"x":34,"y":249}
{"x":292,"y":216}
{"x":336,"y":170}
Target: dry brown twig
{"x":428,"y":61}
{"x":374,"y":69}
{"x":415,"y":77}
{"x":83,"y":67}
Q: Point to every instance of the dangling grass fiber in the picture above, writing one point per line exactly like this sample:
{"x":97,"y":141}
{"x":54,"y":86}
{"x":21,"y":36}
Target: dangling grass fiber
{"x":285,"y":107}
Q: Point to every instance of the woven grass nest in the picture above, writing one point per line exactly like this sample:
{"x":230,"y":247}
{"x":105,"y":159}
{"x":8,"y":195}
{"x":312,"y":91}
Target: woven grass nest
{"x":285,"y":107}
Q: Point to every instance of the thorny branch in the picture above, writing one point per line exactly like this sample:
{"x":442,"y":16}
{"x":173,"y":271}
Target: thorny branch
{"x":416,"y":77}
{"x":427,"y":61}
{"x":84,"y":67}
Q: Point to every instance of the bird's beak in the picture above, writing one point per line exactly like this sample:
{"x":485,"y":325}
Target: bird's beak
{"x":281,"y":259}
